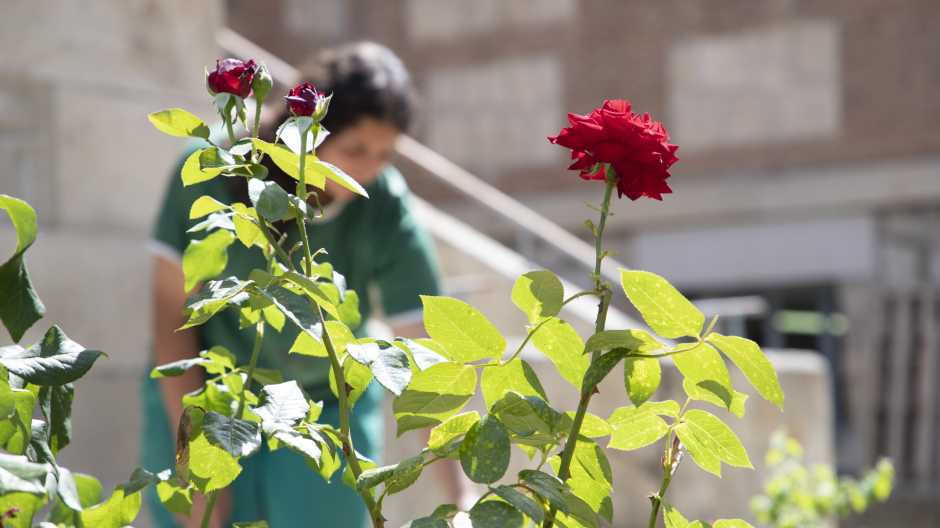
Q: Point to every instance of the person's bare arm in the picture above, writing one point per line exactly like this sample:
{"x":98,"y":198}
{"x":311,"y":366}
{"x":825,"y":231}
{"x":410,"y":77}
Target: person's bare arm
{"x":457,"y":486}
{"x":169,"y":346}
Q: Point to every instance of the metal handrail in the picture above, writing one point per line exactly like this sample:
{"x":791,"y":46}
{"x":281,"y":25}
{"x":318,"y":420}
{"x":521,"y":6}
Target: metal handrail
{"x":448,"y":172}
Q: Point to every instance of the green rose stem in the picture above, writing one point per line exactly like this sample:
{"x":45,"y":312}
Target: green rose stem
{"x":259,"y":335}
{"x":603,"y":290}
{"x":210,"y":505}
{"x":348,"y":450}
{"x":302,"y":194}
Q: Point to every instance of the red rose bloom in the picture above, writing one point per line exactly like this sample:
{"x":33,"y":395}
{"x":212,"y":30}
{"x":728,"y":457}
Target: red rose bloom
{"x":232,"y":76}
{"x":635,"y":147}
{"x":302,"y":101}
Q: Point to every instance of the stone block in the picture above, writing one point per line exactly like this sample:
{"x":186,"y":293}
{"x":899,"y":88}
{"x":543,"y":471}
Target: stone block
{"x":446,"y":20}
{"x":495,"y":116}
{"x":768,"y":85}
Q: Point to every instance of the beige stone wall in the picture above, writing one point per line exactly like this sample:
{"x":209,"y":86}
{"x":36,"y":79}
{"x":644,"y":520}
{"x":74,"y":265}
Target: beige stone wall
{"x":78,"y":81}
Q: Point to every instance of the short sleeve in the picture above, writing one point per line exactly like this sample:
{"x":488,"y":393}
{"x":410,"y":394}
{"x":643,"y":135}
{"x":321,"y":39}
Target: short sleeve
{"x":407,"y":265}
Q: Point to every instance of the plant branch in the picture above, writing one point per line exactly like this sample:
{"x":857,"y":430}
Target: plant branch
{"x":348,"y":450}
{"x":210,"y":505}
{"x":259,"y":335}
{"x":526,"y":340}
{"x":582,"y":294}
{"x":605,"y":294}
{"x":254,"y":134}
{"x":301,"y":192}
{"x":277,"y":247}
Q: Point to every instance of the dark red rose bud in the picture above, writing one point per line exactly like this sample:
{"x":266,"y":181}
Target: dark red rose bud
{"x":232,"y":76}
{"x":304,"y":100}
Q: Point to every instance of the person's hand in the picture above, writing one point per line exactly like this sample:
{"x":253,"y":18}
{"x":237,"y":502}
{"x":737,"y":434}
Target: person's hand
{"x":223,"y":506}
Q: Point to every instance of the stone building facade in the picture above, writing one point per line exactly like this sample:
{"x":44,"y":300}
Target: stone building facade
{"x":809,"y":138}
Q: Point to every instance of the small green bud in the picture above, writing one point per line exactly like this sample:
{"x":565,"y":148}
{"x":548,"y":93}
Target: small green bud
{"x":262,"y":82}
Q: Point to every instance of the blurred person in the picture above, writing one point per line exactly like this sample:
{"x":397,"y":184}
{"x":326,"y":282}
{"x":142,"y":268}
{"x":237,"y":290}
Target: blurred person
{"x":374,"y":241}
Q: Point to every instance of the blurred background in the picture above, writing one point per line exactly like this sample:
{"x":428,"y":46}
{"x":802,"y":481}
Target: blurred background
{"x":806,"y":210}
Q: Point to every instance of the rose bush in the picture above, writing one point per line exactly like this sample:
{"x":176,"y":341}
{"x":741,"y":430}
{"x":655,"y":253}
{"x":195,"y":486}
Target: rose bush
{"x":635,"y":147}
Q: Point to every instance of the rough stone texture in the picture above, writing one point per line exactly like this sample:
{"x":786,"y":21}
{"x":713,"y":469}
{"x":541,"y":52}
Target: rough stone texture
{"x":774,"y":84}
{"x":443,"y":20}
{"x":495,"y":117}
{"x":78,"y":82}
{"x":807,"y":414}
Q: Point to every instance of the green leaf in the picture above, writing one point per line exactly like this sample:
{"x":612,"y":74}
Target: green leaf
{"x":423,"y":355}
{"x":443,"y":436}
{"x":89,"y":493}
{"x":216,"y":158}
{"x":205,"y":205}
{"x":544,"y":419}
{"x":515,"y":375}
{"x":461,"y":329}
{"x":731,"y":523}
{"x":7,"y":400}
{"x":591,"y":458}
{"x":427,"y":522}
{"x":702,"y":366}
{"x":548,"y":486}
{"x":240,"y":438}
{"x":388,"y":363}
{"x":717,"y":437}
{"x":289,"y":162}
{"x":116,"y":512}
{"x":593,"y":426}
{"x":210,"y":467}
{"x":357,"y":376}
{"x":141,"y":478}
{"x":484,"y":452}
{"x":495,"y":514}
{"x":336,"y":174}
{"x":28,"y":504}
{"x":704,"y":392}
{"x":561,"y":344}
{"x":297,"y":309}
{"x":636,"y":340}
{"x":20,"y":307}
{"x":177,"y":368}
{"x":580,"y":515}
{"x":434,"y":395}
{"x":246,"y":227}
{"x":268,"y":377}
{"x":269,"y":199}
{"x":701,"y":453}
{"x":53,"y":360}
{"x":753,"y":363}
{"x":192,"y":172}
{"x":371,"y":478}
{"x":601,"y":368}
{"x":205,"y":259}
{"x":640,"y":426}
{"x":18,"y":474}
{"x":308,"y":346}
{"x":214,"y":296}
{"x":179,"y":123}
{"x":349,"y":310}
{"x":445,"y":511}
{"x":16,"y":432}
{"x":592,"y":491}
{"x":521,"y":502}
{"x":56,"y":405}
{"x":293,"y":439}
{"x":641,"y":376}
{"x":406,"y":473}
{"x":259,"y":524}
{"x":174,"y":498}
{"x":539,"y":294}
{"x":672,"y":517}
{"x":667,"y":312}
{"x":283,"y":402}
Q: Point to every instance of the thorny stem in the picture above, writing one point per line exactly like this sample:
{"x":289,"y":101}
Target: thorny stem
{"x":254,"y":134}
{"x":670,"y":464}
{"x":348,"y":450}
{"x":259,"y":335}
{"x":270,"y":238}
{"x":604,"y":292}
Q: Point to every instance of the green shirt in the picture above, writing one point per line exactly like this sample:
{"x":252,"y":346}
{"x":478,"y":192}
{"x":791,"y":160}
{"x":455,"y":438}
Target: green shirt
{"x":374,"y":241}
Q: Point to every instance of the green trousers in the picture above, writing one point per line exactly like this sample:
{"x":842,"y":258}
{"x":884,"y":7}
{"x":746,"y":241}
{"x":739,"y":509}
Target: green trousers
{"x":274,"y":486}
